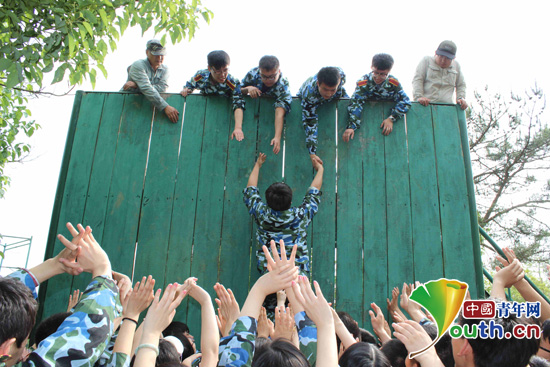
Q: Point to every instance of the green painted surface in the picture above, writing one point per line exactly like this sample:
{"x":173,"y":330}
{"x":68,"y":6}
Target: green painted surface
{"x":426,"y":229}
{"x":375,"y":272}
{"x":396,"y":208}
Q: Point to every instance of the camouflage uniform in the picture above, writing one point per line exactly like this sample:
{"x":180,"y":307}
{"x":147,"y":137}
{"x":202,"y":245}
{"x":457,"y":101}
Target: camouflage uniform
{"x":150,"y":82}
{"x":311,"y":99}
{"x":280,"y":90}
{"x":237,"y":349}
{"x":307,"y":334}
{"x":83,"y":336}
{"x":289,"y":225}
{"x":368,"y":90}
{"x":230,"y":88}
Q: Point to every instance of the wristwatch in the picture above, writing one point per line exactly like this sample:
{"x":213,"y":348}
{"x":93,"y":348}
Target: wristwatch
{"x":392,"y":118}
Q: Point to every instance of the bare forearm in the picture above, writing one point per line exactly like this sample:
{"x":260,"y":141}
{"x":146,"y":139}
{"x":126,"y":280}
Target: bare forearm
{"x":125,"y":338}
{"x":318,"y":179}
{"x":279,"y":121}
{"x":238,"y":118}
{"x":46,"y":270}
{"x":253,"y":179}
{"x":531,"y":295}
{"x":210,"y":335}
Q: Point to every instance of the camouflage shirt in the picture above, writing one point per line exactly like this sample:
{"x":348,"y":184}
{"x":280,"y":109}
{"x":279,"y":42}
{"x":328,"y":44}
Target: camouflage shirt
{"x":368,"y":90}
{"x":83,"y":336}
{"x":307,"y":335}
{"x":237,"y":349}
{"x":289,"y":225}
{"x":311,"y":99}
{"x":230,"y":88}
{"x":280,"y":90}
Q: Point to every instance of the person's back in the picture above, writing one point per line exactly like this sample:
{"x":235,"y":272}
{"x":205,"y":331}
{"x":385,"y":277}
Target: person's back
{"x":277,"y":220}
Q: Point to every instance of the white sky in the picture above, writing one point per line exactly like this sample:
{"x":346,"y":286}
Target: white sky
{"x":503,"y":44}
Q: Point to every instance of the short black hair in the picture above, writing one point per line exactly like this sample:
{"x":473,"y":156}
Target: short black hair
{"x":382,"y":61}
{"x":175,"y":327}
{"x":279,"y":352}
{"x":367,"y":337}
{"x":167,"y":353}
{"x":269,"y":62}
{"x":49,"y":326}
{"x":395,"y":351}
{"x":17,"y":309}
{"x":350,"y":324}
{"x":218,"y":59}
{"x":279,"y":196}
{"x":329,"y":76}
{"x":502,"y":352}
{"x":363,"y":355}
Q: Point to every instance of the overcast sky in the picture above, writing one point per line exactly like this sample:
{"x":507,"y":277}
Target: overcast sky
{"x":502,"y":44}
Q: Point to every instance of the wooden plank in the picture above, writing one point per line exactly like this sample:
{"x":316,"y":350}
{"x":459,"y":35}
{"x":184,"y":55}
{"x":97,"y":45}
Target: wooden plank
{"x":375,"y":269}
{"x":349,"y":258}
{"x":298,"y":169}
{"x":158,"y":197}
{"x":322,"y":241}
{"x":400,"y":266}
{"x":75,"y":190}
{"x":206,"y":241}
{"x":102,"y":170}
{"x":125,"y":194}
{"x":178,"y":262}
{"x":238,"y":240}
{"x":453,"y":198}
{"x":426,"y":231}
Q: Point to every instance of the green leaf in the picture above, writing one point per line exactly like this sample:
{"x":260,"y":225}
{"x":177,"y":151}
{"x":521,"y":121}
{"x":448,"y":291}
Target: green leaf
{"x":88,"y":28}
{"x":103,"y":70}
{"x":60,"y":73}
{"x":71,"y":45}
{"x":13,"y":79}
{"x":5,"y":64}
{"x":103,"y":16}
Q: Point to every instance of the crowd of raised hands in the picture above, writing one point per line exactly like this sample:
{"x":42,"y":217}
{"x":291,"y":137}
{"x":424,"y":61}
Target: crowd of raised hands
{"x":306,"y":331}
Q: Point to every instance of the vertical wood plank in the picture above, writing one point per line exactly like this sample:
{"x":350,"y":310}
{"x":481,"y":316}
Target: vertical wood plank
{"x":74,"y":192}
{"x":426,"y":231}
{"x":238,"y":240}
{"x":182,"y":224}
{"x":377,"y":256}
{"x":158,"y":198}
{"x":453,"y":201}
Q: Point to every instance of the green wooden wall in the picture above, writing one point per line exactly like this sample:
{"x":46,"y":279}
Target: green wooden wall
{"x":166,"y":199}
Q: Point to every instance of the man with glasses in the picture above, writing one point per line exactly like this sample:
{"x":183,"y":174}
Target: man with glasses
{"x":216,"y":80}
{"x":437,"y":77}
{"x":150,"y":77}
{"x":378,"y":85}
{"x":267,"y":79}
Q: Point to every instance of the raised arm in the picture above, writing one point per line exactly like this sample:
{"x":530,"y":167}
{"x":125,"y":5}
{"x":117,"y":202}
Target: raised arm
{"x":253,"y":179}
{"x":318,"y":179}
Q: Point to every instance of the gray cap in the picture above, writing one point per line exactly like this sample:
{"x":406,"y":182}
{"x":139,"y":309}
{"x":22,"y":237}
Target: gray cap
{"x":447,"y":49}
{"x":156,"y":47}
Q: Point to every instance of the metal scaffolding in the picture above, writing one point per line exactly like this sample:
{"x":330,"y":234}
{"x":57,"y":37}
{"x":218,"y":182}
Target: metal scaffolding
{"x":9,"y":243}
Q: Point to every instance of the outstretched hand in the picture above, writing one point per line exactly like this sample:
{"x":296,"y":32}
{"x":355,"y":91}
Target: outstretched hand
{"x":139,"y":298}
{"x":228,"y":308}
{"x":162,"y":310}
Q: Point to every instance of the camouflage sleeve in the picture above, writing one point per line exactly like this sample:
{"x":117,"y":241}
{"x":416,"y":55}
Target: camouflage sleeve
{"x":83,"y":336}
{"x":237,"y":96}
{"x":247,"y":80}
{"x":192,"y":83}
{"x":402,"y":105}
{"x":307,"y":334}
{"x":27,"y":278}
{"x":355,"y":108}
{"x":311,"y":202}
{"x":253,"y":200}
{"x":110,"y":359}
{"x":283,"y":96}
{"x":237,"y":349}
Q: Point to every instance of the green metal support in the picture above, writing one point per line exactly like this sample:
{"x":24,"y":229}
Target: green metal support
{"x":499,"y":250}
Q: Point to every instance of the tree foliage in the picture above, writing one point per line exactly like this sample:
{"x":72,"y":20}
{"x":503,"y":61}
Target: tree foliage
{"x":510,"y":149}
{"x":70,"y":39}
